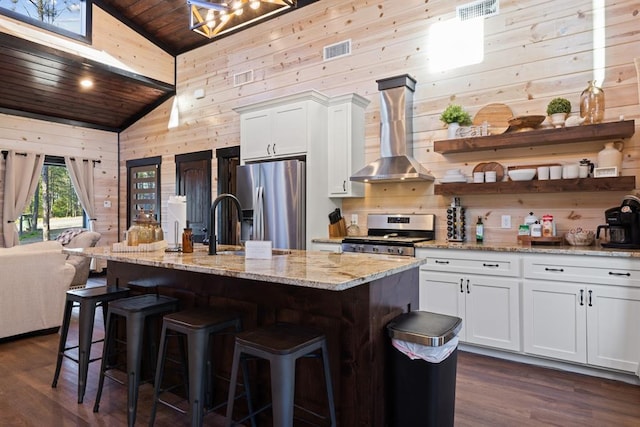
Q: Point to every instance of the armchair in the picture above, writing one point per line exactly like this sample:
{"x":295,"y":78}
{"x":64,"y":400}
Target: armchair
{"x":79,"y":238}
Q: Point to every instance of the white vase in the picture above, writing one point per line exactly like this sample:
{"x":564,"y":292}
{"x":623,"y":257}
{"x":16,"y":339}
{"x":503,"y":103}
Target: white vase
{"x":557,"y":119}
{"x":611,"y":156}
{"x":451,"y":130}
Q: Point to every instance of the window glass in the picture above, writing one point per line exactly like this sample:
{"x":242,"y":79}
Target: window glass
{"x":64,"y":16}
{"x":54,"y":207}
{"x":143,"y":177}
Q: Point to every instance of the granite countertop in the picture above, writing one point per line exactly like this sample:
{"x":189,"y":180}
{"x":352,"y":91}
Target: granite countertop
{"x":594,"y":250}
{"x":322,"y":270}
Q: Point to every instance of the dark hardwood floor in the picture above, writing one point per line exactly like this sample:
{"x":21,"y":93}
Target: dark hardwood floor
{"x":489,"y":392}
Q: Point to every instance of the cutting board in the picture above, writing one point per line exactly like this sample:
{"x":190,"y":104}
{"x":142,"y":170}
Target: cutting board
{"x":496,"y":115}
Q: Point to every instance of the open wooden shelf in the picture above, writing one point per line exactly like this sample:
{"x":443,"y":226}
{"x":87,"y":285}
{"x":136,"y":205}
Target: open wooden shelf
{"x":601,"y":131}
{"x":622,"y":183}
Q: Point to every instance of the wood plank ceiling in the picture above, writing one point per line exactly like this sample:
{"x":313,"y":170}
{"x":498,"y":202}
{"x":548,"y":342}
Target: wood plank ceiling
{"x":42,"y":82}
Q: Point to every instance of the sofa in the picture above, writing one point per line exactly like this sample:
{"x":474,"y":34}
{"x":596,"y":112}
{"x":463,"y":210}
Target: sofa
{"x":33,"y":284}
{"x":79,"y":238}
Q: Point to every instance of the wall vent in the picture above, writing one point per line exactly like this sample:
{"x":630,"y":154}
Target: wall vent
{"x":242,"y":78}
{"x":336,"y":50}
{"x":478,"y":9}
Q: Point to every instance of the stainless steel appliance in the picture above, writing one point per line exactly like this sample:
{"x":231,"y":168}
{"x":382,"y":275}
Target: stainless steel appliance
{"x":272,"y":196}
{"x":623,"y":224}
{"x":392,"y":234}
{"x":396,"y":162}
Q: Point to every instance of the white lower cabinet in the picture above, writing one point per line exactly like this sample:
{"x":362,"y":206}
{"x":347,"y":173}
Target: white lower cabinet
{"x":488,"y":304}
{"x":582,"y":318}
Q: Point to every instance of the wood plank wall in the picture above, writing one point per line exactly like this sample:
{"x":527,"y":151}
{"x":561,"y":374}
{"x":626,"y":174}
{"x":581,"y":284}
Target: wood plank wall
{"x":23,"y":134}
{"x":132,"y":52}
{"x":533,"y":51}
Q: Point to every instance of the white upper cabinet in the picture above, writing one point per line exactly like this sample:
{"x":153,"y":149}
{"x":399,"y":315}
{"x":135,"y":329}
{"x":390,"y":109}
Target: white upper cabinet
{"x":284,"y":127}
{"x":346,"y":144}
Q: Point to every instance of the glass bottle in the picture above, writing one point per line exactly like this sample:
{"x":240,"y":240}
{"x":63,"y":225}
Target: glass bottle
{"x":353,"y":229}
{"x":479,"y":230}
{"x":592,"y":104}
{"x":187,"y":241}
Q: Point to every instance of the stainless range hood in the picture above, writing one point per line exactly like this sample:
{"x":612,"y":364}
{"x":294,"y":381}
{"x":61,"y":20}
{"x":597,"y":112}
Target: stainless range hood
{"x":396,"y":136}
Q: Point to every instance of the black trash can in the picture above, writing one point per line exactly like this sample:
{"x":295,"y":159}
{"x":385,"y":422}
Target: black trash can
{"x":422,"y":360}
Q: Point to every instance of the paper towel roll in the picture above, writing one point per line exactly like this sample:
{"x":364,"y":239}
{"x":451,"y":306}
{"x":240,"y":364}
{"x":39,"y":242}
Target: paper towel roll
{"x":176,"y":213}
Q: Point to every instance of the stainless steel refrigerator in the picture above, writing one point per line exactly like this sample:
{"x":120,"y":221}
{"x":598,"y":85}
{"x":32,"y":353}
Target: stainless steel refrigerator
{"x":272,"y":196}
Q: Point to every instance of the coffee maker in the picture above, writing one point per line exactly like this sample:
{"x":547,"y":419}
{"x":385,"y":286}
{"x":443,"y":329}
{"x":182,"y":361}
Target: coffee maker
{"x":623,"y":224}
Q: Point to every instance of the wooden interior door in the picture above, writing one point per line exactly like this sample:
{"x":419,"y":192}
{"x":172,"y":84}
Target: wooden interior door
{"x":193,"y":179}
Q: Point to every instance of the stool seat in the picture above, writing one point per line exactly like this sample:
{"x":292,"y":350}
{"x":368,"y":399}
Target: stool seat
{"x":281,"y":344}
{"x":200,"y":318}
{"x":88,"y":299}
{"x":197,"y":324}
{"x":281,"y":338}
{"x":135,"y":310}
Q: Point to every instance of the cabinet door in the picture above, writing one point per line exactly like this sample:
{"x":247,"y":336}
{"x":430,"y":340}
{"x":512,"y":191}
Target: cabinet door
{"x":554,"y":320}
{"x":339,"y":150}
{"x":613,"y":317}
{"x":443,"y":293}
{"x":255,"y":135}
{"x":493,"y":312}
{"x":289,"y":129}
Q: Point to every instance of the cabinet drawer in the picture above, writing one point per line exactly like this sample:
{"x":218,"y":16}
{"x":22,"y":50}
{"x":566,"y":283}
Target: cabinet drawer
{"x":583,"y":269}
{"x":471,"y":262}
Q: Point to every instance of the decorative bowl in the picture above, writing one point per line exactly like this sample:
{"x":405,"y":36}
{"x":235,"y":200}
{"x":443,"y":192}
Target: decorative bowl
{"x":579,"y":237}
{"x":522,"y":174}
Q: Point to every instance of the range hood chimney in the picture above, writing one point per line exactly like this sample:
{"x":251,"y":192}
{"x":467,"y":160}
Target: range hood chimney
{"x":396,"y":136}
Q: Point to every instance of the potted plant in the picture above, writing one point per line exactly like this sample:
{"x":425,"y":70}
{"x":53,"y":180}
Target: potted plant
{"x":558,"y":109}
{"x":455,"y":116}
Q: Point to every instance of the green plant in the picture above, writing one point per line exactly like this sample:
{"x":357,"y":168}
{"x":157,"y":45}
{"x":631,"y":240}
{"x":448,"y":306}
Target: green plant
{"x":559,"y":105}
{"x":455,"y":113}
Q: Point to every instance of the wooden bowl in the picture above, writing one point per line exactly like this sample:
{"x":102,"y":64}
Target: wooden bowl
{"x":524,"y":123}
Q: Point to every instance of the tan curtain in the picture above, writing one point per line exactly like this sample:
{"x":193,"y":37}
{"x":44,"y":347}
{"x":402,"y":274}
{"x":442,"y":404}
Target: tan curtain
{"x":81,"y":174}
{"x":22,"y":172}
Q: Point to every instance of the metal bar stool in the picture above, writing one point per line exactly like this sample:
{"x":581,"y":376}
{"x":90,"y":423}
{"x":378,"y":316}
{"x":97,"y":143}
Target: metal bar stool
{"x":198,"y":325}
{"x":281,"y":344}
{"x":135,"y":310}
{"x":87,"y":299}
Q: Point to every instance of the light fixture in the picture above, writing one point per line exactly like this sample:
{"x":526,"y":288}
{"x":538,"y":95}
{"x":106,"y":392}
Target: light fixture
{"x":212,"y":18}
{"x":86,"y":83}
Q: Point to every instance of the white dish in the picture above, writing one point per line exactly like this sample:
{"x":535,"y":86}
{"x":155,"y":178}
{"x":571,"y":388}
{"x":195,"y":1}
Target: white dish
{"x":522,"y":174}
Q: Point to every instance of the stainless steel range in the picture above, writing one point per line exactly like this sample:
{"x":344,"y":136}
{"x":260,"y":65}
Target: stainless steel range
{"x":392,"y":234}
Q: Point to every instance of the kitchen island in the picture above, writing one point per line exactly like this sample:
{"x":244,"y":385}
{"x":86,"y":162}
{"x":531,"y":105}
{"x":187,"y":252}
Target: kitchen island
{"x":350,"y":297}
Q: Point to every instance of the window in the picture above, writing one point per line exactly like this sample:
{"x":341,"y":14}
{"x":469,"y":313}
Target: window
{"x":55,"y":206}
{"x":70,"y":18}
{"x":143,"y":184}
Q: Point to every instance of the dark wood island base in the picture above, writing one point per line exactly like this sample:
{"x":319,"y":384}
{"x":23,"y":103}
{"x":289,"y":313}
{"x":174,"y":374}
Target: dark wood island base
{"x":353,"y":320}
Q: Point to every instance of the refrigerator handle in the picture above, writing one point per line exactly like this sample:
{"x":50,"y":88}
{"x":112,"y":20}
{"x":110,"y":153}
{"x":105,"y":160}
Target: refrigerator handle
{"x":258,"y":214}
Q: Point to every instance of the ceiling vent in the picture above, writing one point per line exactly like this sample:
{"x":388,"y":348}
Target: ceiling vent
{"x":242,"y":78}
{"x":336,"y":50}
{"x":478,"y":9}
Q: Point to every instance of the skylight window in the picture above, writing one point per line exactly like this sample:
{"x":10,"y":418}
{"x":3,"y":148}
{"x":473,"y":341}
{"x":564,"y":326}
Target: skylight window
{"x":66,"y":17}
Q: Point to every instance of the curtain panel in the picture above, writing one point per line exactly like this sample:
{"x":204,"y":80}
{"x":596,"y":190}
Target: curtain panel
{"x":22,"y":172}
